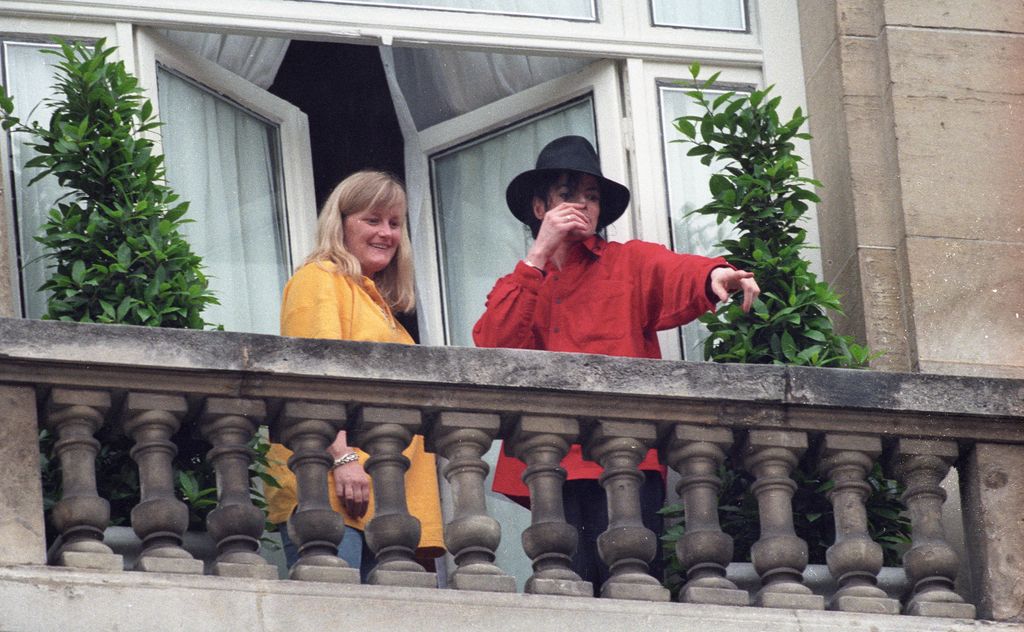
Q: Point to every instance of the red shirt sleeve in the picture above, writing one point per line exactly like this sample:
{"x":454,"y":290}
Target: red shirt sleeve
{"x":673,"y":285}
{"x":508,"y":319}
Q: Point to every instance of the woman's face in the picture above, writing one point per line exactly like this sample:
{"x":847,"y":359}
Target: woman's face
{"x":372,"y":236}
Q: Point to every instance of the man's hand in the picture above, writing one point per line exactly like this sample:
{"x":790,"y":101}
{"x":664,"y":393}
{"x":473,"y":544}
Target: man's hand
{"x":725,"y":281}
{"x":559,"y":224}
{"x":352,"y":485}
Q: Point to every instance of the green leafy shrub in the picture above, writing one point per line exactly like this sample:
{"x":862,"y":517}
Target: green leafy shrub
{"x":761,"y":192}
{"x":118,"y":253}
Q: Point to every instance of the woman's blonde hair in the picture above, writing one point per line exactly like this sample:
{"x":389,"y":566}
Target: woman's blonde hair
{"x":361,"y":191}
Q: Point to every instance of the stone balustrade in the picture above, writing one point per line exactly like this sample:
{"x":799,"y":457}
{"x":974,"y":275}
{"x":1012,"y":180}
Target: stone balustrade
{"x":73,"y":379}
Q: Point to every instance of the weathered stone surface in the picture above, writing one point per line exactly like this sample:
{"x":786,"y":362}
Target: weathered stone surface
{"x":973,"y":140}
{"x":561,"y":587}
{"x":874,"y":605}
{"x":971,"y":275}
{"x":22,"y":537}
{"x":831,"y":157}
{"x":961,"y":124}
{"x":332,"y":574}
{"x":409,"y":579}
{"x":789,"y":600}
{"x":248,"y":571}
{"x":861,"y":17}
{"x":98,"y":561}
{"x":906,"y":391}
{"x":488,"y":583}
{"x":941,"y":609}
{"x":76,"y":600}
{"x":818,"y":30}
{"x":885,"y":308}
{"x":154,"y":564}
{"x":90,"y":601}
{"x":980,"y":15}
{"x":714,"y":596}
{"x":993,"y":498}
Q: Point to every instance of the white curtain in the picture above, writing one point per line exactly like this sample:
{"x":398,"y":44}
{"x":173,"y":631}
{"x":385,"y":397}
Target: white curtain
{"x":578,"y":9}
{"x":439,"y":84}
{"x":688,"y":190}
{"x":29,"y":75}
{"x":256,"y":59}
{"x":711,"y":14}
{"x":223,"y":160}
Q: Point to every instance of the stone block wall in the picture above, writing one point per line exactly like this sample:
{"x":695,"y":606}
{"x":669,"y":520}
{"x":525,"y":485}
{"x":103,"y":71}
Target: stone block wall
{"x":915,"y":108}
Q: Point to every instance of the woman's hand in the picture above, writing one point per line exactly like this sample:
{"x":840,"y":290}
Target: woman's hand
{"x":352,"y":485}
{"x":351,"y":482}
{"x":566,"y":220}
{"x":725,"y":281}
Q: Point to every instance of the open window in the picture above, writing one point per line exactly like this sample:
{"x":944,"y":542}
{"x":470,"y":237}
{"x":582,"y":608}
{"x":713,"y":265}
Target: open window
{"x":465,"y":237}
{"x":241,"y":157}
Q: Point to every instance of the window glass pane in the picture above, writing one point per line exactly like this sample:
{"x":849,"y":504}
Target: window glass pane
{"x":29,"y":75}
{"x":708,"y":14}
{"x":480,"y":239}
{"x":224,"y":161}
{"x":687,"y":181}
{"x":573,"y":9}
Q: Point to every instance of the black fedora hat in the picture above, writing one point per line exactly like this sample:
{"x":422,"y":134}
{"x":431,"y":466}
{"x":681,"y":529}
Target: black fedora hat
{"x":567,"y":153}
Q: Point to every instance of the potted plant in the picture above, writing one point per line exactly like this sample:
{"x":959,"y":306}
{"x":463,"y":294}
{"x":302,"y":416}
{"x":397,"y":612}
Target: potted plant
{"x":761,"y":192}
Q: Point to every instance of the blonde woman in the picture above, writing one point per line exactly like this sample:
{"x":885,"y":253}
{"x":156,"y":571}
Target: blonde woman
{"x":349,"y":288}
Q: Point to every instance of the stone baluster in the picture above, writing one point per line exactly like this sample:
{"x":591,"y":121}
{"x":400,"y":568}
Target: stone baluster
{"x":779,"y":556}
{"x":855,"y":559}
{"x":931,"y":563}
{"x":471,"y":536}
{"x":236,"y":525}
{"x":542,"y":442}
{"x":307,"y":428}
{"x":393,"y":534}
{"x":160,"y":519}
{"x":704,"y":551}
{"x":80,"y":515}
{"x":627,"y":546}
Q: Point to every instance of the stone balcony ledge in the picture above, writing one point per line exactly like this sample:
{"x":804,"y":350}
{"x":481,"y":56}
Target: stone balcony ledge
{"x":49,"y":598}
{"x":250,"y":365}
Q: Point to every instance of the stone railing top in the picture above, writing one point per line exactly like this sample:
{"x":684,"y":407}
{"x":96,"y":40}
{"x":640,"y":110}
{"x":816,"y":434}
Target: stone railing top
{"x":233,"y":364}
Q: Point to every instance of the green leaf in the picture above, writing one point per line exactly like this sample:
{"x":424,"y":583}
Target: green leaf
{"x":78,"y":271}
{"x":788,"y":347}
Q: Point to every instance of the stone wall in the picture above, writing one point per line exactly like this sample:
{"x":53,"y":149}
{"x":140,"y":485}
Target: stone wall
{"x":915,"y":108}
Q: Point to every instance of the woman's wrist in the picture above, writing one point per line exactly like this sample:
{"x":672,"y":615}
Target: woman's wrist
{"x":350,"y":457}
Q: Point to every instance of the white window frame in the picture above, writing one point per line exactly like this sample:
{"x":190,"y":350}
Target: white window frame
{"x":620,"y":31}
{"x":663,"y":29}
{"x":296,"y":157}
{"x":43,"y":32}
{"x":594,"y":17}
{"x":601,"y":80}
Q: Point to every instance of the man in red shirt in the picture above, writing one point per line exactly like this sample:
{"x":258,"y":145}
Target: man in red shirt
{"x":576,"y":292}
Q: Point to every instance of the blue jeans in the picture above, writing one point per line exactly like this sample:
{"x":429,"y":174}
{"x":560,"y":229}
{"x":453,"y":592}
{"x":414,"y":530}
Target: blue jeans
{"x":352,"y":549}
{"x":586,"y":508}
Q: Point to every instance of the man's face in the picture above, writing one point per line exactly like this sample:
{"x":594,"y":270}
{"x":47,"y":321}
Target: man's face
{"x":581,"y":189}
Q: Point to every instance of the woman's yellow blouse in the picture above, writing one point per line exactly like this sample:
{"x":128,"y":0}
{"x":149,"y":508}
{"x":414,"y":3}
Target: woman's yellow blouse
{"x":318,"y":303}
